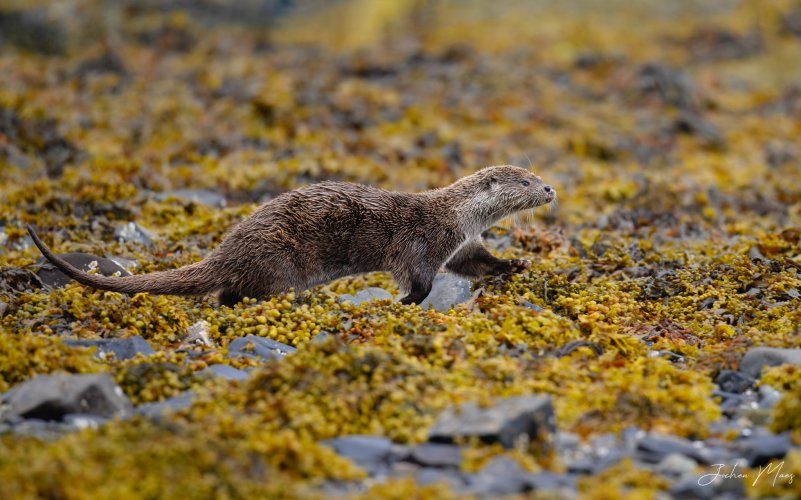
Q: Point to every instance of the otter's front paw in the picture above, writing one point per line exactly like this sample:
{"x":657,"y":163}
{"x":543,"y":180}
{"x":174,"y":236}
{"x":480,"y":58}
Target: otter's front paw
{"x":512,"y":266}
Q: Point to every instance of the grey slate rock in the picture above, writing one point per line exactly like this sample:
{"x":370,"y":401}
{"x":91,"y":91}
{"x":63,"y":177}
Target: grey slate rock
{"x":262,"y":348}
{"x":506,"y":422}
{"x":52,"y":277}
{"x":430,"y":475}
{"x":447,"y":291}
{"x":768,"y":396}
{"x":200,"y":196}
{"x":366,"y":295}
{"x":759,"y":450}
{"x":52,"y":397}
{"x":654,"y":448}
{"x":758,"y":358}
{"x":436,"y":455}
{"x":369,"y":452}
{"x":675,"y":465}
{"x":120,"y":348}
{"x":734,"y":382}
{"x":169,"y":405}
{"x":226,"y":372}
{"x":133,"y":232}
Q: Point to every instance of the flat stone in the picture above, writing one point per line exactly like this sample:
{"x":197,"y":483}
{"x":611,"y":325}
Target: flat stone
{"x":428,"y":475}
{"x":133,"y":232}
{"x":51,"y":397}
{"x":169,"y":405}
{"x":759,"y":450}
{"x":261,"y":348}
{"x":654,"y":448}
{"x":52,"y":277}
{"x":436,"y":455}
{"x":368,"y":452}
{"x":675,"y":465}
{"x":511,"y":419}
{"x":758,"y":358}
{"x":447,"y":291}
{"x":366,"y":295}
{"x":119,"y":348}
{"x":198,"y":334}
{"x":200,"y":196}
{"x":226,"y":372}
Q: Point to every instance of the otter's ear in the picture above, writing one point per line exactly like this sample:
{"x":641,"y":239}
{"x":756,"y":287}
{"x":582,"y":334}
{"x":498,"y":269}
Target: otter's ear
{"x":491,"y":180}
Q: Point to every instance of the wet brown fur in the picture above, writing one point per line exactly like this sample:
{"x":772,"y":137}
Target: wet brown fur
{"x":324,"y":231}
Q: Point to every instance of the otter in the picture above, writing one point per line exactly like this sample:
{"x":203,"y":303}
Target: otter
{"x":315,"y":234}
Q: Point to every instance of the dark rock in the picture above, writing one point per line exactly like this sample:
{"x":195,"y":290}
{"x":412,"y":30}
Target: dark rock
{"x":367,"y":295}
{"x":52,"y":277}
{"x":261,"y":348}
{"x":734,"y":382}
{"x":436,"y":455}
{"x":447,"y":291}
{"x":759,"y":357}
{"x":30,"y":29}
{"x":226,"y":372}
{"x":501,"y":476}
{"x":672,"y":86}
{"x":759,"y":450}
{"x":368,"y":452}
{"x":200,"y":196}
{"x":549,"y":481}
{"x":169,"y":405}
{"x":693,"y":124}
{"x":51,"y":397}
{"x":15,"y":280}
{"x":511,"y":419}
{"x":654,"y":448}
{"x":119,"y":348}
{"x":134,"y":233}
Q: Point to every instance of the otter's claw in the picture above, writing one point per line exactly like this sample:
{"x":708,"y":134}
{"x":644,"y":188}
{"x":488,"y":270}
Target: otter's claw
{"x":519,"y":265}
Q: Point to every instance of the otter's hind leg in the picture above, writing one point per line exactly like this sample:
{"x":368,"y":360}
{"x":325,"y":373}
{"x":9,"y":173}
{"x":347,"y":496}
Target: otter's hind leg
{"x":229,"y":298}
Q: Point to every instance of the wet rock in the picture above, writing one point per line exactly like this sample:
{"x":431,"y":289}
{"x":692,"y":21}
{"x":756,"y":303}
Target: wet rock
{"x":367,"y":295}
{"x":654,"y":448}
{"x":51,"y":397}
{"x":533,"y":307}
{"x":504,"y":476}
{"x":133,"y":233}
{"x":768,"y":396}
{"x":15,"y":280}
{"x":52,"y":277}
{"x":447,"y":291}
{"x":119,"y":348}
{"x":259,"y":347}
{"x":511,"y":419}
{"x":758,"y":358}
{"x":734,"y":382}
{"x":369,"y":452}
{"x":226,"y":372}
{"x":199,"y":196}
{"x":436,"y":455}
{"x":759,"y":450}
{"x":169,"y":405}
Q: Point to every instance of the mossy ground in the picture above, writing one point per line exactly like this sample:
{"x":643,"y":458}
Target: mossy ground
{"x":678,"y":223}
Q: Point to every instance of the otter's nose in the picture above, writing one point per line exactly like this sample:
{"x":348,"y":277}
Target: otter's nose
{"x":548,"y":189}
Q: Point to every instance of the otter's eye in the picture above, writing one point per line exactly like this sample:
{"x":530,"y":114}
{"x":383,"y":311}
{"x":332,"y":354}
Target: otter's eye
{"x":525,"y":183}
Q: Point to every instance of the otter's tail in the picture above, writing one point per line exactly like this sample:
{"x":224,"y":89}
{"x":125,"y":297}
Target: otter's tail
{"x":194,"y":279}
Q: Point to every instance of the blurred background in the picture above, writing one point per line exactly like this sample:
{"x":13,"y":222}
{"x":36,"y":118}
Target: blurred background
{"x":691,"y":104}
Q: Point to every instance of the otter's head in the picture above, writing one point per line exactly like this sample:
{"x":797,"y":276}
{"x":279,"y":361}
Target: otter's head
{"x":493,"y":193}
{"x":515,"y":188}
